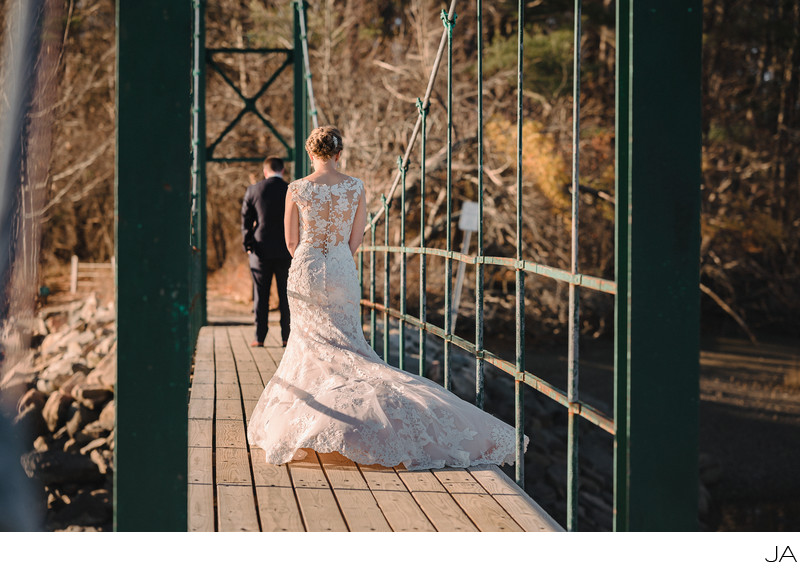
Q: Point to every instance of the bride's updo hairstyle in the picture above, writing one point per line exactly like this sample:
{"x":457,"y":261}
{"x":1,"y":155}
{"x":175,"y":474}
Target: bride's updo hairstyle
{"x":324,"y":142}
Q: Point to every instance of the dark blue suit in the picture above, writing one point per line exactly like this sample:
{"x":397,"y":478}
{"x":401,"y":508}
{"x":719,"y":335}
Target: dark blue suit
{"x":263,"y":238}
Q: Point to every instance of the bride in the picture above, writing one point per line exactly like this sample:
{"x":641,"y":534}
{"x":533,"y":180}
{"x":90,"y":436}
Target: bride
{"x":331,"y":391}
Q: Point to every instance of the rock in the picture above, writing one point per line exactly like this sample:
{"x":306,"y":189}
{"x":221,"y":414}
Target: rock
{"x":84,"y":338}
{"x":89,"y":309}
{"x":108,"y":416}
{"x":81,"y":366}
{"x":72,"y":445}
{"x":30,"y":424}
{"x":92,"y":431}
{"x":93,"y":445}
{"x":86,"y":509}
{"x":32,"y":397}
{"x":74,"y":380}
{"x":55,"y":410}
{"x":61,"y":367}
{"x":106,"y":371}
{"x":79,"y":416}
{"x":58,"y":467}
{"x":45,"y":386}
{"x":102,"y":459}
{"x":74,"y":350}
{"x":41,"y":443}
{"x":92,"y":397}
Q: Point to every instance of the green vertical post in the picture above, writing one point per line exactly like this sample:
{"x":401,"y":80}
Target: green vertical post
{"x":574,"y":295}
{"x":479,"y":362}
{"x":153,"y":186}
{"x":519,"y":395}
{"x":657,"y":241}
{"x":301,"y":163}
{"x":199,"y":249}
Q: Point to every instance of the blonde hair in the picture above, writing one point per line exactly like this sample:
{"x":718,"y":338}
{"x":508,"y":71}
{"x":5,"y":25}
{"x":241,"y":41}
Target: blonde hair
{"x":324,"y":142}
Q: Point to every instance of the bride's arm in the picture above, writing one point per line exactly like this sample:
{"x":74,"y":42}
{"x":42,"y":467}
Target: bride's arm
{"x":291,"y":224}
{"x":359,"y":223}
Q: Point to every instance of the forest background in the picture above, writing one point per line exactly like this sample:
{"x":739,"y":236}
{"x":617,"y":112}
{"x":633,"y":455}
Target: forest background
{"x":371,"y":60}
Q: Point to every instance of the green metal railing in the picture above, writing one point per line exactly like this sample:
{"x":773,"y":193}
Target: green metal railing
{"x":633,"y":471}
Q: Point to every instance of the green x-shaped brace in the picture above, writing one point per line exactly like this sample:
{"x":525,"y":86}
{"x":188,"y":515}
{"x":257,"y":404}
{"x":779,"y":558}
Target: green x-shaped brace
{"x":249,"y":102}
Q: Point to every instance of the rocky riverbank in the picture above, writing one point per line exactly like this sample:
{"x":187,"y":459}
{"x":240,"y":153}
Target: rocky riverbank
{"x":61,"y":398}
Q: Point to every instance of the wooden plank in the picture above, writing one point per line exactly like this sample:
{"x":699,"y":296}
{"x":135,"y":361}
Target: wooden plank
{"x":480,"y":507}
{"x":227,"y":377}
{"x":397,"y":504}
{"x":279,"y":510}
{"x":201,"y":508}
{"x":200,"y":433}
{"x":202,"y":391}
{"x":266,"y":474}
{"x":204,"y":375}
{"x":200,"y":465}
{"x":249,"y":406}
{"x":230,"y":433}
{"x":252,"y":391}
{"x":233,"y":467}
{"x":524,"y":510}
{"x":237,"y":509}
{"x":228,"y":392}
{"x":434,"y":500}
{"x":229,"y":410}
{"x":360,"y":510}
{"x":204,"y":366}
{"x":250,"y":377}
{"x":317,"y":503}
{"x":277,"y":504}
{"x":201,"y":408}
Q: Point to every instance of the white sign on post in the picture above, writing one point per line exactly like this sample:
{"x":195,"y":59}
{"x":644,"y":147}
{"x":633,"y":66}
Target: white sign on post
{"x":468,"y":223}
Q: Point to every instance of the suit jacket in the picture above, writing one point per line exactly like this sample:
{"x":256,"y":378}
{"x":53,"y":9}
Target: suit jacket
{"x":262,"y":220}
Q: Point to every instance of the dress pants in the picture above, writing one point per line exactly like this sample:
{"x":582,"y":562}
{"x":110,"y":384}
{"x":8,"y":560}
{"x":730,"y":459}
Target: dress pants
{"x":262,"y":281}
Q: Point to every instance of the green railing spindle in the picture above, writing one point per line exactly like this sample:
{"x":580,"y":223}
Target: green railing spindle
{"x":449,"y":22}
{"x":423,"y":315}
{"x":574,"y":297}
{"x":385,"y":279}
{"x":479,"y":361}
{"x":401,"y":347}
{"x":372,"y":339}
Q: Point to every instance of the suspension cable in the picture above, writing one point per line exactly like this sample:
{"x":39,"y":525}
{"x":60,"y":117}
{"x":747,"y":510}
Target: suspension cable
{"x":304,"y":42}
{"x":425,"y":104}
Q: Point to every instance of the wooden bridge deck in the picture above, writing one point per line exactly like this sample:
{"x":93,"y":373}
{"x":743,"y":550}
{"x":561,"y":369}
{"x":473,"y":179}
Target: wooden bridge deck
{"x":232,"y":488}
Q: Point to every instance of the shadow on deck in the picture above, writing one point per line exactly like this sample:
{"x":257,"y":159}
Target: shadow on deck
{"x":232,"y":488}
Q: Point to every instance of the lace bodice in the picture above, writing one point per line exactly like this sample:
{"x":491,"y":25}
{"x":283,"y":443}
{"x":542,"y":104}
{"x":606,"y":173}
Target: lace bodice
{"x":326,"y":211}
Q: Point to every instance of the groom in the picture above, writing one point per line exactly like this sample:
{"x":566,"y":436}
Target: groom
{"x":263,"y":240}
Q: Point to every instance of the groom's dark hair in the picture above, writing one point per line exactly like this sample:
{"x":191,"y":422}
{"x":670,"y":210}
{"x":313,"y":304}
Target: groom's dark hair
{"x":274,"y":163}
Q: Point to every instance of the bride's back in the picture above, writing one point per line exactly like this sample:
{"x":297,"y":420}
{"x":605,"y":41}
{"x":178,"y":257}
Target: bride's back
{"x":326,"y":210}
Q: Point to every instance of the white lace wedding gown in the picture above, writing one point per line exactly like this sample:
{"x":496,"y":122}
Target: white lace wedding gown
{"x":332,"y":392}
